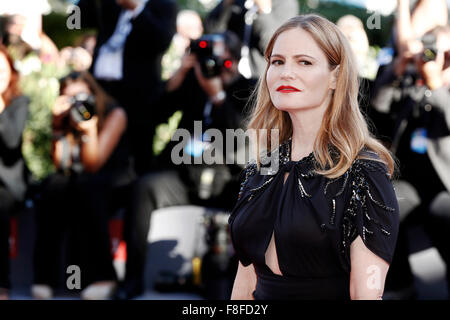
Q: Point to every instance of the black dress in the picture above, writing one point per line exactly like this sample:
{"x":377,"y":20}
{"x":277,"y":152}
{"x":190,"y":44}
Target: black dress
{"x":13,"y":170}
{"x":314,"y":220}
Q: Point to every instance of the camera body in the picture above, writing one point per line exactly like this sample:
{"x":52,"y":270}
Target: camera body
{"x":430,"y":50}
{"x":209,"y":50}
{"x":83,"y":107}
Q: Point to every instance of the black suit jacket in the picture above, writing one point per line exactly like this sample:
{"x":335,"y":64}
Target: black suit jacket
{"x":13,"y":171}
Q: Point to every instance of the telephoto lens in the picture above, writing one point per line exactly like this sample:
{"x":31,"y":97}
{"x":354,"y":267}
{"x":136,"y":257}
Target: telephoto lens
{"x":429,"y":47}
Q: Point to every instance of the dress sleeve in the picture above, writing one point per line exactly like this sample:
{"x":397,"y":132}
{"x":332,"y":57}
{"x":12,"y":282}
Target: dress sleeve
{"x":372,"y":211}
{"x":12,"y":122}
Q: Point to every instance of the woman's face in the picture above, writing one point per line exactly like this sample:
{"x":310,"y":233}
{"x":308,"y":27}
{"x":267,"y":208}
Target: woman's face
{"x":299,"y":76}
{"x":5,"y":73}
{"x":229,"y":74}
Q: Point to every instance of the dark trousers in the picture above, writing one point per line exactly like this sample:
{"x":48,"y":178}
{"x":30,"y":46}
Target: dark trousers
{"x":7,"y":205}
{"x":76,"y":212}
{"x":151,"y":192}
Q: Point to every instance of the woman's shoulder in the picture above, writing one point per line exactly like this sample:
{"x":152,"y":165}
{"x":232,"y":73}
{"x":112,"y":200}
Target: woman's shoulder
{"x":114,"y":110}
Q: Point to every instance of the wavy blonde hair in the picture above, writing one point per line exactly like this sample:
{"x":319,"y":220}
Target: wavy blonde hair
{"x":344,"y":129}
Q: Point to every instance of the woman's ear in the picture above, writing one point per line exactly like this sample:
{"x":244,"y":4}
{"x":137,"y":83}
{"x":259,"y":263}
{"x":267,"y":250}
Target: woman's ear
{"x":334,"y":77}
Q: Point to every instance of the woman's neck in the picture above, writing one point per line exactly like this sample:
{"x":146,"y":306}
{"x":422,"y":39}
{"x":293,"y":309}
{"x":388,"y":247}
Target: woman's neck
{"x":306,"y":124}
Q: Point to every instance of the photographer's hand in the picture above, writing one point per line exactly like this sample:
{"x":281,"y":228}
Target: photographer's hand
{"x":411,"y":49}
{"x":127,"y":4}
{"x":400,"y":64}
{"x":213,"y":87}
{"x":265,"y":6}
{"x":89,"y":143}
{"x":88,"y":127}
{"x":81,"y":60}
{"x":61,"y":106}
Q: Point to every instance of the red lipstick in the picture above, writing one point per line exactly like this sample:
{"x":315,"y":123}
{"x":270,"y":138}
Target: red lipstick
{"x":287,"y":89}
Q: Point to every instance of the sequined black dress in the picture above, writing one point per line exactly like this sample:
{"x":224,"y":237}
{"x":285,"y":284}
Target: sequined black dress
{"x":314,"y":220}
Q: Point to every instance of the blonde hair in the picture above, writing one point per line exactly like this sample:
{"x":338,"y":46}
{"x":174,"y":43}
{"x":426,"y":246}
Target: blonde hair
{"x":344,"y":130}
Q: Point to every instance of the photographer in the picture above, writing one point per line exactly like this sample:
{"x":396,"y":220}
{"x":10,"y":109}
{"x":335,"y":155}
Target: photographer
{"x":13,"y":171}
{"x":414,"y":92}
{"x":207,"y":88}
{"x":89,"y":150}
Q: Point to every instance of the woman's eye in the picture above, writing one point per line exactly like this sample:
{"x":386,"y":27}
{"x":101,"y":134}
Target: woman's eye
{"x":276,"y":62}
{"x":305,"y":63}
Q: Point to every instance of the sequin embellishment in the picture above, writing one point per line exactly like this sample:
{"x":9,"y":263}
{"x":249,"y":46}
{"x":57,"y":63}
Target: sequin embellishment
{"x":360,"y":196}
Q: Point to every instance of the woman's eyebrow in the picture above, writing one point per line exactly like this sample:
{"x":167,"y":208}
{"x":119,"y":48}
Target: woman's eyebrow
{"x":276,"y":55}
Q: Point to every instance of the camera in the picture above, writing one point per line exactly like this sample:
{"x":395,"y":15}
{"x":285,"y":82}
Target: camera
{"x":83,"y":107}
{"x":209,"y":49}
{"x":429,"y":48}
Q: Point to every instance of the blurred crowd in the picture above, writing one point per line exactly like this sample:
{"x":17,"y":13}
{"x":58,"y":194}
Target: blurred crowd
{"x":150,"y":68}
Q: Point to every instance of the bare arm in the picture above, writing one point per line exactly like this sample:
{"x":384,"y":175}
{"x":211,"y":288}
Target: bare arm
{"x":187,"y":62}
{"x":61,"y":150}
{"x":62,"y":141}
{"x":427,"y":15}
{"x":368,"y":272}
{"x":244,"y":283}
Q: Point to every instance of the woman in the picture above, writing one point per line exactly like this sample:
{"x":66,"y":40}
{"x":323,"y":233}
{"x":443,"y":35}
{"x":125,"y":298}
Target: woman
{"x":90,"y":152}
{"x":422,"y":145}
{"x":324,"y":226}
{"x":13,"y":117}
